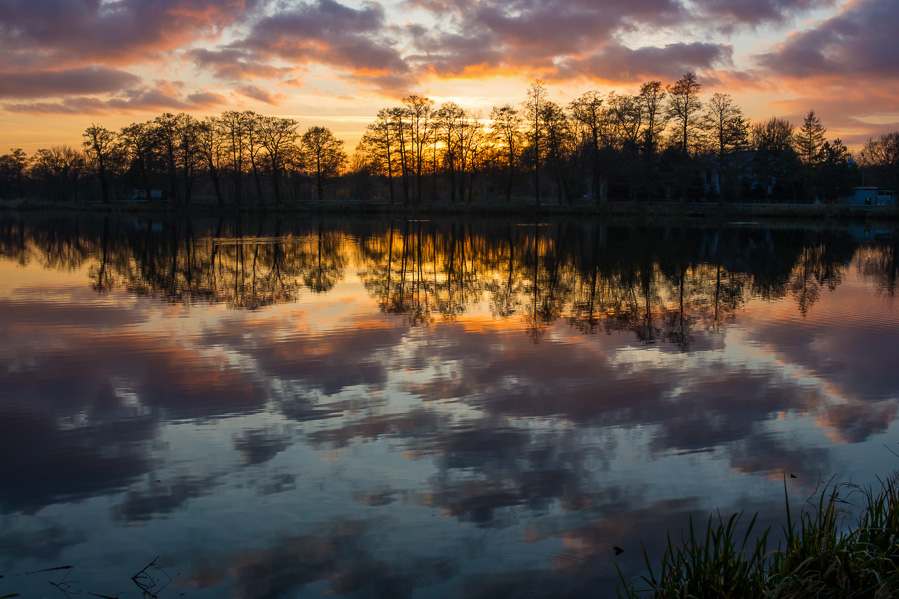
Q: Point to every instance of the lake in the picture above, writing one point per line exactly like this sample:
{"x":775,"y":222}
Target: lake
{"x":422,"y":408}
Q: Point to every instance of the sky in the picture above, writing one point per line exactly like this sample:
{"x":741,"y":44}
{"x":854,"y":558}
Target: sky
{"x":66,"y":64}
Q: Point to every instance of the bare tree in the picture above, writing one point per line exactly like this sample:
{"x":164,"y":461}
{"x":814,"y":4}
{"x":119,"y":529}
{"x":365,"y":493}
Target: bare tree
{"x":165,"y":128}
{"x":139,"y":143}
{"x":212,"y":152}
{"x":379,"y":143}
{"x":558,"y":144}
{"x":534,"y":113}
{"x":188,"y":155}
{"x":471,"y":144}
{"x":625,"y":118}
{"x":402,"y":135}
{"x":506,"y":132}
{"x":277,"y":136}
{"x":449,"y":124}
{"x":13,"y":167}
{"x":774,"y":158}
{"x":419,"y":112}
{"x":60,"y":167}
{"x":587,"y":111}
{"x":234,"y":128}
{"x":323,"y":154}
{"x":683,"y":108}
{"x":726,"y":128}
{"x":651,"y":99}
{"x":880,"y":157}
{"x":100,"y":145}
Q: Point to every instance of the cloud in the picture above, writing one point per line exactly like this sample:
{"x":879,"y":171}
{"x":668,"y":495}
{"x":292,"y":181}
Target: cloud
{"x":237,"y":65}
{"x":619,"y":63}
{"x":58,"y":465}
{"x":486,"y":38}
{"x":163,"y":96}
{"x":257,"y":446}
{"x":329,"y":33}
{"x":730,"y":13}
{"x":46,"y":543}
{"x":77,"y":31}
{"x":257,"y":93}
{"x":844,"y":67}
{"x":92,"y":79}
{"x":162,"y":498}
{"x":854,"y":43}
{"x":556,"y":40}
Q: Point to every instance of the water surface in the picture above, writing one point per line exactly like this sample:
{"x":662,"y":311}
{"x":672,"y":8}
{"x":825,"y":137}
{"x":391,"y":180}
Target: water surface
{"x":292,"y":408}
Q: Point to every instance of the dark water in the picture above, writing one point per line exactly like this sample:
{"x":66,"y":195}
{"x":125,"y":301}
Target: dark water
{"x":296,"y":408}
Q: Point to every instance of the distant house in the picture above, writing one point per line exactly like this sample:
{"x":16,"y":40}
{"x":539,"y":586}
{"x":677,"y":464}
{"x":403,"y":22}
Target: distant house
{"x":141,"y":194}
{"x":870,"y":196}
{"x":737,"y":165}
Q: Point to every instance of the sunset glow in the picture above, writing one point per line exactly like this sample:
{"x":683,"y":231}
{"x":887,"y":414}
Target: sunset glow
{"x":68,"y":63}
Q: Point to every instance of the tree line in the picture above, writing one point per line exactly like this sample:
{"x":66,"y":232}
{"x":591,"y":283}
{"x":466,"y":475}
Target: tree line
{"x":663,"y":143}
{"x":237,"y":158}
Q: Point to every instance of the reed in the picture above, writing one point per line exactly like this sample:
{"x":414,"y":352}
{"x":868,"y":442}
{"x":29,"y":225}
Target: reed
{"x":821,"y":554}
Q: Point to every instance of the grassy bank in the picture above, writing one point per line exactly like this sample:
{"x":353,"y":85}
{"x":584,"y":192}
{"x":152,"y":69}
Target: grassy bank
{"x":518,"y":206}
{"x":822,"y":554}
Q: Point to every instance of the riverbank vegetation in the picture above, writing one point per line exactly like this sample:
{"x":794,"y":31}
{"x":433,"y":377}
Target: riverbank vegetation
{"x":665,"y":143}
{"x":821,"y":554}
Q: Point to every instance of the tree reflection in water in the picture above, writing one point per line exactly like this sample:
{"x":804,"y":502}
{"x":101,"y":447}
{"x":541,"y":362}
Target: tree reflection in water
{"x":659,"y":283}
{"x":502,"y":438}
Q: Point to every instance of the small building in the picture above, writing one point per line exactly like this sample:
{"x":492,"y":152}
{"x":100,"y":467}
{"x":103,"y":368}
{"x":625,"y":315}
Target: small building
{"x":870,"y":197}
{"x":138,"y":195}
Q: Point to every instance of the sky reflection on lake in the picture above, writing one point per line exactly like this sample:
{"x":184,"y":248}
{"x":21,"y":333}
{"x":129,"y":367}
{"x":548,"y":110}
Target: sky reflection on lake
{"x":425,"y":409}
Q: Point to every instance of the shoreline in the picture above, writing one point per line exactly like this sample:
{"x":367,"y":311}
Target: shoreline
{"x":676,"y":211}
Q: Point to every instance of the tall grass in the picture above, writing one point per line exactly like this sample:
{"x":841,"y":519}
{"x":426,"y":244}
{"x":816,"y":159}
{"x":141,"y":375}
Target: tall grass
{"x":821,"y":554}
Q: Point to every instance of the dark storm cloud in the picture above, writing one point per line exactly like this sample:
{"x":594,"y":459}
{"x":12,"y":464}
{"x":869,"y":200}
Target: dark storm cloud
{"x":84,"y":80}
{"x":856,"y":42}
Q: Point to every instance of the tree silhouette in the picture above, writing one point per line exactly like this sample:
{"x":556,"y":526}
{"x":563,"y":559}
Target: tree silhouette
{"x":323,"y":156}
{"x":651,"y":100}
{"x":100,"y":144}
{"x":534,"y":115}
{"x":683,"y":108}
{"x":809,"y":144}
{"x":727,"y":129}
{"x":506,"y":132}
